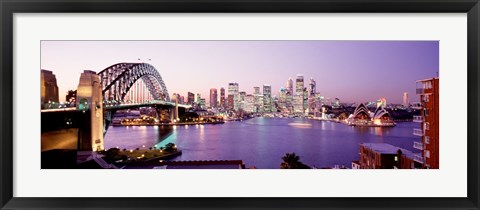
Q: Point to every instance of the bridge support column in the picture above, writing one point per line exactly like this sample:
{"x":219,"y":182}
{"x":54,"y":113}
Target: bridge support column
{"x":90,"y":102}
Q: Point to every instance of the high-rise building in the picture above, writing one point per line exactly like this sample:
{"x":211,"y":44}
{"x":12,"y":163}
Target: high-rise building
{"x":406,"y":103}
{"x":283,"y":98}
{"x":230,"y":102}
{"x":197,"y":99}
{"x":48,"y":87}
{"x":213,"y":98}
{"x":256,"y":90}
{"x":267,"y":98}
{"x":222,"y":97}
{"x":299,"y":85}
{"x":190,"y":98}
{"x":312,"y":87}
{"x":233,"y":90}
{"x":289,"y":86}
{"x":429,"y":126}
{"x":298,"y":103}
{"x":249,"y":103}
{"x":202,"y":104}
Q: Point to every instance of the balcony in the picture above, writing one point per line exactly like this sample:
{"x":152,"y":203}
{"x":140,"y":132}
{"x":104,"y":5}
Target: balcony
{"x":417,"y":105}
{"x":417,"y":118}
{"x":420,"y":91}
{"x":418,"y":158}
{"x":417,"y":132}
{"x":418,"y":145}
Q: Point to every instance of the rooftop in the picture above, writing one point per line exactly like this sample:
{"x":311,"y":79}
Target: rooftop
{"x":384,"y":148}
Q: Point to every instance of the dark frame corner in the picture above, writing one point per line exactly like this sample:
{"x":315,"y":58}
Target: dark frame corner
{"x":9,"y":7}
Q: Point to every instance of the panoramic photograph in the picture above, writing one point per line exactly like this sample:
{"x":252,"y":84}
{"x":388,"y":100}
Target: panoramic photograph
{"x":297,"y":104}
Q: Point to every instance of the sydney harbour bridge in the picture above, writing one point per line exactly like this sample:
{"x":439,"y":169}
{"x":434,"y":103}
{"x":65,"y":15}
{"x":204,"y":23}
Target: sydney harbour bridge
{"x":100,"y":95}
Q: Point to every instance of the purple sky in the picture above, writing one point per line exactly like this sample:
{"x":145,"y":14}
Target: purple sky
{"x":353,"y":71}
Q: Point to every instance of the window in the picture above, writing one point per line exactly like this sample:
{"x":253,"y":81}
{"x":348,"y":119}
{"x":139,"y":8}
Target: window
{"x":425,"y":112}
{"x":427,"y":125}
{"x":427,"y":154}
{"x":396,"y":158}
{"x":426,"y":98}
{"x":427,"y":139}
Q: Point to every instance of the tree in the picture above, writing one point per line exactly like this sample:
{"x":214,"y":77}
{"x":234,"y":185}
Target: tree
{"x":170,"y":147}
{"x":292,"y":161}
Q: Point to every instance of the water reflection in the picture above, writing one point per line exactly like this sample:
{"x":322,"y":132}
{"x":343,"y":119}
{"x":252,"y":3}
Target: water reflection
{"x":261,"y":142}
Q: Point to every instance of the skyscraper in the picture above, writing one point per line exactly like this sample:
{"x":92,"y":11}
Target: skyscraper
{"x":213,"y":98}
{"x":289,"y":86}
{"x":256,"y":90}
{"x":299,"y":85}
{"x":233,"y":90}
{"x":406,"y":103}
{"x":190,"y":98}
{"x":222,"y":97}
{"x":48,"y":87}
{"x":267,"y":98}
{"x":313,"y":87}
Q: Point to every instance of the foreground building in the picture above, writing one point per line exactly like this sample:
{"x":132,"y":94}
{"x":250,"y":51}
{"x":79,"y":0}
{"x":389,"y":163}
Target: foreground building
{"x":385,"y":156}
{"x":429,"y":125}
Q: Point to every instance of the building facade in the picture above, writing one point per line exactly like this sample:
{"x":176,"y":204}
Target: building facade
{"x":213,"y":98}
{"x":385,"y":156}
{"x":267,"y":98}
{"x":429,"y":125}
{"x":222,"y":97}
{"x":233,"y":90}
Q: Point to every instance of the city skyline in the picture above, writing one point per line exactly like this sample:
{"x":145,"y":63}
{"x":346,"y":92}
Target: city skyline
{"x":353,"y":71}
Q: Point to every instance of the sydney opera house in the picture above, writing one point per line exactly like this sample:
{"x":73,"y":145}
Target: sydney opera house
{"x":364,"y":117}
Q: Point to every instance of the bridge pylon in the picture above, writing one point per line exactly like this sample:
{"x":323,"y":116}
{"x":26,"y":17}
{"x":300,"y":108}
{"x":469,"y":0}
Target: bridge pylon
{"x":90,"y":102}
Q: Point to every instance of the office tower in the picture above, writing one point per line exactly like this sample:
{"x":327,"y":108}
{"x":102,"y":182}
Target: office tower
{"x":406,"y":103}
{"x":249,"y":103}
{"x":267,"y":98}
{"x":256,"y":90}
{"x":289,"y":86}
{"x":299,"y":84}
{"x":429,"y":126}
{"x":48,"y":87}
{"x":190,"y":98}
{"x":233,"y":90}
{"x":213,"y":98}
{"x":197,"y":99}
{"x":382,"y":103}
{"x":313,"y":86}
{"x":222,"y":97}
{"x":230,"y":102}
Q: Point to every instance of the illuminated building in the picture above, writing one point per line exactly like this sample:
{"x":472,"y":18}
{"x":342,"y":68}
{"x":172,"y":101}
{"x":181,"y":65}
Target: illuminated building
{"x":267,"y":98}
{"x":313,"y":87}
{"x":213,"y":98}
{"x":382,"y":103}
{"x":48,"y":87}
{"x":299,"y":84}
{"x":406,"y":103}
{"x":429,"y":126}
{"x":289,"y":86}
{"x":197,"y":99}
{"x":230,"y":102}
{"x":222,"y":97}
{"x":249,"y":103}
{"x":362,"y":117}
{"x":190,"y":98}
{"x":233,"y":90}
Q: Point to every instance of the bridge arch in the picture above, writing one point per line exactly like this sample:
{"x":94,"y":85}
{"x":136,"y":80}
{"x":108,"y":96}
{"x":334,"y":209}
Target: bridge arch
{"x":117,"y":80}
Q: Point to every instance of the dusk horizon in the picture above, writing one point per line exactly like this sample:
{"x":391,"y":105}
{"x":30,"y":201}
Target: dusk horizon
{"x":353,"y":71}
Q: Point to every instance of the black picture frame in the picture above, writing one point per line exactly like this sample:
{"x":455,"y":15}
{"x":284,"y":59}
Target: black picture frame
{"x":10,"y":7}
